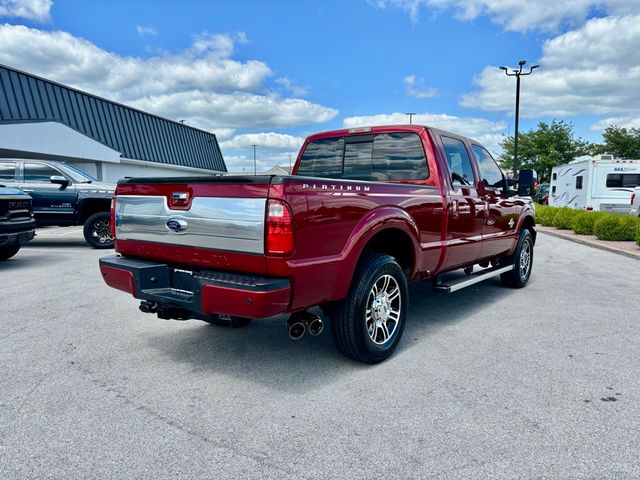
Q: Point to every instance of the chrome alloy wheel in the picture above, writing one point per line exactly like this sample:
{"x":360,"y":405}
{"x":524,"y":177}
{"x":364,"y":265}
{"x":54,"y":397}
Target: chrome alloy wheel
{"x":101,"y":231}
{"x":384,"y":305}
{"x":525,"y":259}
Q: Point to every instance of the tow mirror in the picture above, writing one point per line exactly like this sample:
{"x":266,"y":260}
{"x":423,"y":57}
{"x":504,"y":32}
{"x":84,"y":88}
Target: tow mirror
{"x":60,"y":180}
{"x":527,"y":183}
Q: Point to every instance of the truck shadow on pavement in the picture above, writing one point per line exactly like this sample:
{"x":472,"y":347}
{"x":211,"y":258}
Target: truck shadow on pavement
{"x":263,"y":353}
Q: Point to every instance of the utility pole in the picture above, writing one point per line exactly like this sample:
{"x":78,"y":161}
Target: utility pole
{"x":411,"y":114}
{"x":255,"y":168}
{"x":517,"y":72}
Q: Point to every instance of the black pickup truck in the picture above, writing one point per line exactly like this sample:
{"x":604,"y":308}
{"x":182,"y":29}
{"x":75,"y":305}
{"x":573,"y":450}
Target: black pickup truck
{"x":17,"y":225}
{"x":63,"y":195}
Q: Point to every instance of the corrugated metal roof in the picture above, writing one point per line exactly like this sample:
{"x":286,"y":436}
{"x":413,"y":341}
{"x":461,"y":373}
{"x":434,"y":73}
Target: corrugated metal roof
{"x":134,"y":133}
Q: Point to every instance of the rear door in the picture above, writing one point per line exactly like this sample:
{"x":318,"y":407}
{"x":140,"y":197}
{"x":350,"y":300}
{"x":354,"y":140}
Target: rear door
{"x":502,"y":214}
{"x":466,"y":210}
{"x":53,"y":204}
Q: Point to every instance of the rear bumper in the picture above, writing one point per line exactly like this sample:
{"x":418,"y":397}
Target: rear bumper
{"x":197,"y":294}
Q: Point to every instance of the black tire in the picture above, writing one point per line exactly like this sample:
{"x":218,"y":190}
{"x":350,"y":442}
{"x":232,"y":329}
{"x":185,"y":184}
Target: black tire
{"x":369,"y":339}
{"x":97,"y":231}
{"x":522,"y":259}
{"x":8,"y":251}
{"x":226,"y":321}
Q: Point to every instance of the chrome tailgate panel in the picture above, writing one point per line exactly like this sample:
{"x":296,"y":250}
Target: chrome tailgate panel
{"x":235,"y":224}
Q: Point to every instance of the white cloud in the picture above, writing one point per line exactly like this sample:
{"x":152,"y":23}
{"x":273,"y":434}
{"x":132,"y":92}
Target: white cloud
{"x":142,"y":30}
{"x":487,"y":132}
{"x":203,"y":84}
{"x":291,"y":86}
{"x":624,"y":122}
{"x":594,"y":70}
{"x":36,"y":10}
{"x":270,"y":140}
{"x":416,"y":88}
{"x":517,"y":15}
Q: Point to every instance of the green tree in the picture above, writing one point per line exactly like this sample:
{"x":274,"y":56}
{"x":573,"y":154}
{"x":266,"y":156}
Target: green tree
{"x":621,"y":142}
{"x":547,"y":146}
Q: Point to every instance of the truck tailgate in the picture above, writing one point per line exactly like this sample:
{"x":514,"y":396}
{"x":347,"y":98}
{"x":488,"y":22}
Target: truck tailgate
{"x":211,"y":221}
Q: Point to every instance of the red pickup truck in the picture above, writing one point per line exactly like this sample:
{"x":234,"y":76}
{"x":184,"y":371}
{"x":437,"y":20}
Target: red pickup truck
{"x":365,"y":211}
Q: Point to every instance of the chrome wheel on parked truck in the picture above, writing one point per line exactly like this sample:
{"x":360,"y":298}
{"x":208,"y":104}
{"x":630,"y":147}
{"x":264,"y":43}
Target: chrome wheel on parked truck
{"x":367,"y":325}
{"x":97,"y":230}
{"x":522,"y":260}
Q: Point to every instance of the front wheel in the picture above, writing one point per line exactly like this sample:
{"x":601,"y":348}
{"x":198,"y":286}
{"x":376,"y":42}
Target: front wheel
{"x":97,"y":230}
{"x":8,"y":251}
{"x":367,"y":325}
{"x":522,"y":261}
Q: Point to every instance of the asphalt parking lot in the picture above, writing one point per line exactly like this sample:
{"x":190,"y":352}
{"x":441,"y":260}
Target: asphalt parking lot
{"x":487,"y":383}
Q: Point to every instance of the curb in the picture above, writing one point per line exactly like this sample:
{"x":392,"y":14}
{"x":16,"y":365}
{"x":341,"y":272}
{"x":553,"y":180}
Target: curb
{"x":588,"y":243}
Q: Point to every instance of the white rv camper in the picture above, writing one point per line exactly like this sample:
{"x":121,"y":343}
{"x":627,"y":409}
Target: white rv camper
{"x":602,"y":184}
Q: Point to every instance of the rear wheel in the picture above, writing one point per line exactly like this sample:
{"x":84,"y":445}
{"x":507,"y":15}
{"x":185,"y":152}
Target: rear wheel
{"x":368,"y":324}
{"x":97,"y":230}
{"x":522,"y":261}
{"x":8,"y":251}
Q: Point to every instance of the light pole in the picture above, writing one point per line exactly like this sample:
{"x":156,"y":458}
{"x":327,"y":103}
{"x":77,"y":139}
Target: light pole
{"x":255,"y":170}
{"x":517,"y":72}
{"x":411,"y":114}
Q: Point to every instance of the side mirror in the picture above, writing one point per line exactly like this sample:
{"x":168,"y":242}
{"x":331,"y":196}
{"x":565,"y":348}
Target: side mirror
{"x":527,"y":183}
{"x":59,"y":180}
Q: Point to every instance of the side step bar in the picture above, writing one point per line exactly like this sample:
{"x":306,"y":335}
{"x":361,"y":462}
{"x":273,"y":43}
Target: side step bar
{"x":471,"y":279}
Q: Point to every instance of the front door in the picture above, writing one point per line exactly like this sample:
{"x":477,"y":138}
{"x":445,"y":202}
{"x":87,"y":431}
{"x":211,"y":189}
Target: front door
{"x":501,"y":220}
{"x":53,"y":204}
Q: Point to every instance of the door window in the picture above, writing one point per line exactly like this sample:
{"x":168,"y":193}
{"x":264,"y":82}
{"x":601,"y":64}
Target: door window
{"x":490,"y":173}
{"x":8,"y":171}
{"x":39,"y":172}
{"x":458,"y":161}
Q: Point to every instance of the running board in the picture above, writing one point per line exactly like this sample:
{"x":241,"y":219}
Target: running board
{"x":471,"y":279}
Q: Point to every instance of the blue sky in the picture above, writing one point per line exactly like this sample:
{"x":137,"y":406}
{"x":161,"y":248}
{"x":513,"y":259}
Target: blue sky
{"x":273,"y":72}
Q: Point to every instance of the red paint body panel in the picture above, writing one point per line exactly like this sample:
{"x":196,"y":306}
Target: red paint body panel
{"x":334,"y":219}
{"x":119,"y":279}
{"x":241,"y":303}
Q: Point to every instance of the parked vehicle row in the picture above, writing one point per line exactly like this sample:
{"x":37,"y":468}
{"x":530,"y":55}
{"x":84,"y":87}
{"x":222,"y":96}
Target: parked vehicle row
{"x":365,"y":211}
{"x":63,"y":195}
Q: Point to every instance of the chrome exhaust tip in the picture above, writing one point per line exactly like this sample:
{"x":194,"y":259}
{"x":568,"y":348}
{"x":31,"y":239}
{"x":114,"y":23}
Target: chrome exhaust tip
{"x":316,"y":325}
{"x":296,"y":330}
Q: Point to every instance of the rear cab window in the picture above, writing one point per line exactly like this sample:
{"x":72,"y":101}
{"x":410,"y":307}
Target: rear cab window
{"x":379,"y":157}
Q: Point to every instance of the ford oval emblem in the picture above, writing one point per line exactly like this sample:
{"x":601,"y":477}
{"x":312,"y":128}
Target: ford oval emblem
{"x":176,"y":225}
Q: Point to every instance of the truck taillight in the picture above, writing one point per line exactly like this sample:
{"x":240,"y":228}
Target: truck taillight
{"x":279,"y":228}
{"x":112,"y":217}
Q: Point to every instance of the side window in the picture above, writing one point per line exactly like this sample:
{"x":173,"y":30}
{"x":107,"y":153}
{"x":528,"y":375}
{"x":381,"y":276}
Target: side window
{"x":553,"y":190}
{"x":399,"y":156}
{"x":579,"y":182}
{"x":555,"y":177}
{"x":322,"y":158}
{"x":458,"y":160}
{"x":39,"y":172}
{"x":8,"y":171}
{"x":490,"y":173}
{"x":623,"y":180}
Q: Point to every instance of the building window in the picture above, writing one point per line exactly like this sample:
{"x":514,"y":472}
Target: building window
{"x":579,"y":183}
